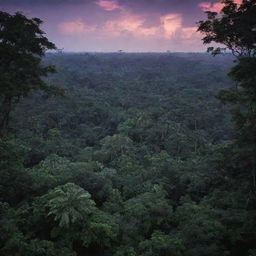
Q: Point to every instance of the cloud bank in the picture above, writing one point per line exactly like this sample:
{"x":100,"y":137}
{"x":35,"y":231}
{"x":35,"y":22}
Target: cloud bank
{"x":108,"y":25}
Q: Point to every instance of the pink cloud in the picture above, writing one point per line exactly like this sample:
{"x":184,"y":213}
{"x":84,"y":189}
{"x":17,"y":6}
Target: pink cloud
{"x":214,"y":7}
{"x":75,"y":27}
{"x":148,"y":31}
{"x":109,"y":5}
{"x":170,"y":24}
{"x":190,"y":33}
{"x":169,"y":30}
{"x":128,"y":23}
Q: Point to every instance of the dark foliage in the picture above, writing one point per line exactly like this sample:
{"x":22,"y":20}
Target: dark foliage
{"x":139,"y":159}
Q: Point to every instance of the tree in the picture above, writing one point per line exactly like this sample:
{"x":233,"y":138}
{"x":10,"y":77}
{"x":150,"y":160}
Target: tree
{"x":235,"y":28}
{"x":200,"y":228}
{"x":162,"y":244}
{"x":22,"y":44}
{"x":69,"y":203}
{"x":15,"y":181}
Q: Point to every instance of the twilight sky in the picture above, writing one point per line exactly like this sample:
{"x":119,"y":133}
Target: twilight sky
{"x":112,"y":25}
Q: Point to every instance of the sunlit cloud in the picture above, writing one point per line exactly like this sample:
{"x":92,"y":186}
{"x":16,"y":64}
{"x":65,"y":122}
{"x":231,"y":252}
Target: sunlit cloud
{"x":151,"y":31}
{"x":123,"y":24}
{"x":169,"y":27}
{"x":126,"y":26}
{"x":108,"y":5}
{"x":214,"y":7}
{"x":189,"y":33}
{"x":106,"y":25}
{"x":128,"y":23}
{"x":76,"y":27}
{"x":211,"y":7}
{"x":171,"y":23}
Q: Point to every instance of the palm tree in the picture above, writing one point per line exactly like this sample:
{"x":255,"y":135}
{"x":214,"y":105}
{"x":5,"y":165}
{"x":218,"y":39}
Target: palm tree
{"x":69,"y":203}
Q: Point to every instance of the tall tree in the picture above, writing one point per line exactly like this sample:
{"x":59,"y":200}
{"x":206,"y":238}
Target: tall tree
{"x":235,"y":28}
{"x":22,"y":44}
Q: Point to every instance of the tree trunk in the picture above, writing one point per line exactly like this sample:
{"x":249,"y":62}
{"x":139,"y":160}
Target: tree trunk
{"x":6,"y":110}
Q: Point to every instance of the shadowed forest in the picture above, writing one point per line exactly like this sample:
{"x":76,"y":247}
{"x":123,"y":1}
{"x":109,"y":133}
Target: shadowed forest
{"x":128,"y":154}
{"x":143,"y":138}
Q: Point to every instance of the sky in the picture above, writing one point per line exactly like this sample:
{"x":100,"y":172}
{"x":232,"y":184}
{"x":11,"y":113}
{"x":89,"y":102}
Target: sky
{"x":113,"y":25}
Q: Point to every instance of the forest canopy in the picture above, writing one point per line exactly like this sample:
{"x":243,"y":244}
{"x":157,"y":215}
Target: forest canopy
{"x":140,"y":158}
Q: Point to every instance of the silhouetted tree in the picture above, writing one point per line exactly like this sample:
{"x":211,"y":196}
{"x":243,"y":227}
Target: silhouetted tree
{"x":22,"y":44}
{"x":235,"y":28}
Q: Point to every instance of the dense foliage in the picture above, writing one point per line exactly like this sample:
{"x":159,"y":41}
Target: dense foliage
{"x":235,"y":28}
{"x":137,"y":159}
{"x":22,"y":44}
